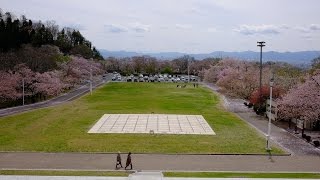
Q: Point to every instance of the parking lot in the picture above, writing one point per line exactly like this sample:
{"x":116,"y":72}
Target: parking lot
{"x":154,"y":78}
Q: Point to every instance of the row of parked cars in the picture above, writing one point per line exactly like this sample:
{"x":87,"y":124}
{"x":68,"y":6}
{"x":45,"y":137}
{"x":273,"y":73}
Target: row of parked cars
{"x":154,"y":78}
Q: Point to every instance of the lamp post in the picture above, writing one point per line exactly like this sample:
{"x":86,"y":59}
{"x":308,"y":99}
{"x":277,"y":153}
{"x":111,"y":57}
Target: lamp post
{"x":22,"y":91}
{"x":270,"y":112}
{"x":90,"y":80}
{"x":260,"y":44}
{"x":188,"y":69}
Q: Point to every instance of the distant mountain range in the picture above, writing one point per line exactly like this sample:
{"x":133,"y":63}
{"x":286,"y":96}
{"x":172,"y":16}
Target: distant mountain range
{"x":300,"y":57}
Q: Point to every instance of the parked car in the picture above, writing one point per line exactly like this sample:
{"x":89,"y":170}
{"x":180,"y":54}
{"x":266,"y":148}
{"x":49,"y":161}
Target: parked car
{"x":151,"y":79}
{"x":160,"y":79}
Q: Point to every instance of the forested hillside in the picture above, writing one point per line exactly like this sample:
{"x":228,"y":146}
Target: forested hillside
{"x":42,"y":57}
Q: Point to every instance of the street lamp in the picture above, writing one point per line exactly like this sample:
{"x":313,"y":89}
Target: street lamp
{"x":270,"y":112}
{"x":188,"y":69}
{"x":22,"y":91}
{"x":260,"y":44}
{"x":90,"y":80}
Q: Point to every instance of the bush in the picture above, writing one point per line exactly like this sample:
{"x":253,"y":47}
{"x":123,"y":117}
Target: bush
{"x":259,"y":109}
{"x":316,"y":143}
{"x":308,"y":138}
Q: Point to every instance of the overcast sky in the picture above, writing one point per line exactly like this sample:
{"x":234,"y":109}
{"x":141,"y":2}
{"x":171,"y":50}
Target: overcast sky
{"x":189,"y":26}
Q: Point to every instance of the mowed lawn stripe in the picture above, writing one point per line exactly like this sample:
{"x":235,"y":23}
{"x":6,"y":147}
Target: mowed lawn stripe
{"x":64,"y":128}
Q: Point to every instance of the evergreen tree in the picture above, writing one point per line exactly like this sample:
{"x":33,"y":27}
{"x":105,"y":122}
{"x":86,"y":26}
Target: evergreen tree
{"x":14,"y":32}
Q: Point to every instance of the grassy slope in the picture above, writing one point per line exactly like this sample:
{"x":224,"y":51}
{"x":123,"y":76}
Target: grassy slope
{"x":64,"y":128}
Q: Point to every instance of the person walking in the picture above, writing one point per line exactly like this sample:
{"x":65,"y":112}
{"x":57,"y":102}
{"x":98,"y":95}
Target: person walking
{"x":118,"y":160}
{"x":129,"y":162}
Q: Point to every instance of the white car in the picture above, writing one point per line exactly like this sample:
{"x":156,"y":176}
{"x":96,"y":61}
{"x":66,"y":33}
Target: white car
{"x":160,"y":79}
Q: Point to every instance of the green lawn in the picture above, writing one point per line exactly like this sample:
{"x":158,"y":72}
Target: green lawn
{"x":166,"y":174}
{"x":242,"y":175}
{"x":65,"y":173}
{"x":64,"y":128}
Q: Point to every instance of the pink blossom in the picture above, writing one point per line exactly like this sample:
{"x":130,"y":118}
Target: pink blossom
{"x":9,"y":86}
{"x":302,"y":101}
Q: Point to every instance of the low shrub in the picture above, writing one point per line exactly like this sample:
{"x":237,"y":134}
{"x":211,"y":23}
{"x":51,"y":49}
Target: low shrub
{"x":308,"y":138}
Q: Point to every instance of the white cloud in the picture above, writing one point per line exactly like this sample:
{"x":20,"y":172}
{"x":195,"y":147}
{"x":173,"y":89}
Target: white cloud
{"x":315,"y":27}
{"x":131,"y":27}
{"x":139,"y":27}
{"x":285,"y":26}
{"x":259,"y":29}
{"x":115,"y":28}
{"x":183,"y":26}
{"x":308,"y":29}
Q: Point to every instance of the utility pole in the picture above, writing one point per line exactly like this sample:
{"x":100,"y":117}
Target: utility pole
{"x":260,"y":44}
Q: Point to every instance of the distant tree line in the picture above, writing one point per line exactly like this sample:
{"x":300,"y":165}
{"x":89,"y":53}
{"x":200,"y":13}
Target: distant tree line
{"x":15,"y":32}
{"x":151,"y":65}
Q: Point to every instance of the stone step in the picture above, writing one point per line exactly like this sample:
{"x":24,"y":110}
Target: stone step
{"x":146,"y":175}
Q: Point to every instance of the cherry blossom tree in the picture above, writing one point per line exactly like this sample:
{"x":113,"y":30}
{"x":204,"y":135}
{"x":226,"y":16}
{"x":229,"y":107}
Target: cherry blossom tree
{"x":302,"y":101}
{"x":48,"y":83}
{"x":126,"y":66}
{"x":26,"y":75}
{"x":9,"y":86}
{"x":78,"y":69}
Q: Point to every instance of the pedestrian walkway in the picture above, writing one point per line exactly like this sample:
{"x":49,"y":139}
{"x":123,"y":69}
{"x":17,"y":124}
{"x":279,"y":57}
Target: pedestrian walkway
{"x":160,"y":162}
{"x":293,"y":144}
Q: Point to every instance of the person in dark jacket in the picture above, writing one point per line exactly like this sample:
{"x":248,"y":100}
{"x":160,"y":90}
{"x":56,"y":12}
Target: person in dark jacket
{"x":129,"y":162}
{"x":118,"y":160}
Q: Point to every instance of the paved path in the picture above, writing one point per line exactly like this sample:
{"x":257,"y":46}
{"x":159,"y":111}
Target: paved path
{"x":293,"y":144}
{"x":55,"y":101}
{"x":160,"y":162}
